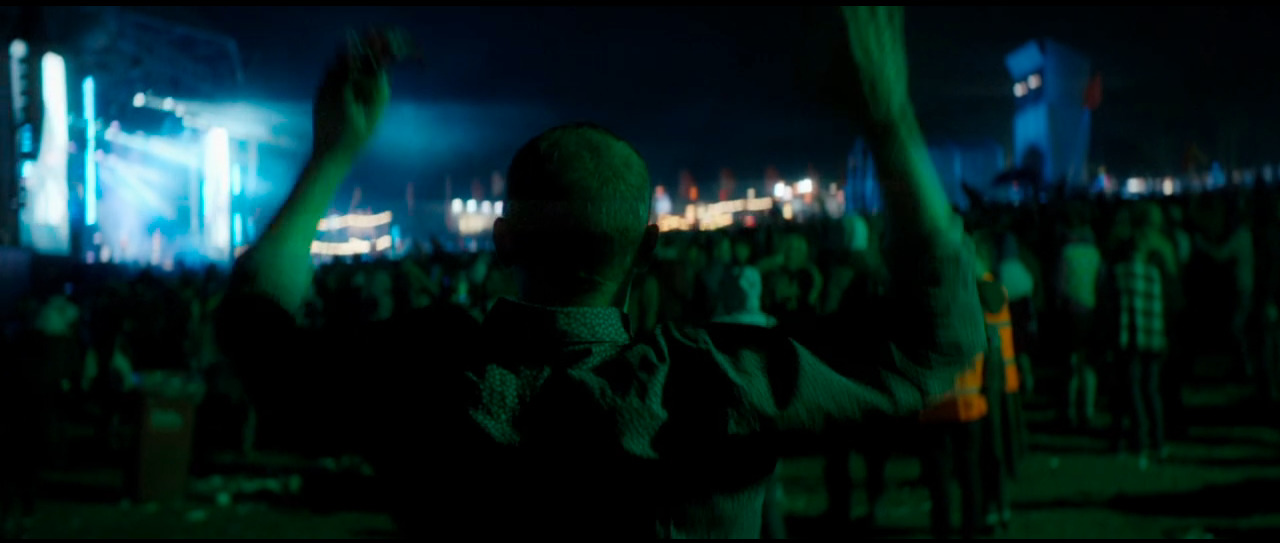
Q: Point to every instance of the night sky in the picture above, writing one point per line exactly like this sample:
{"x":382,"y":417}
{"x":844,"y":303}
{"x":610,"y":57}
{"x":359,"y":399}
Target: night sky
{"x":744,"y":88}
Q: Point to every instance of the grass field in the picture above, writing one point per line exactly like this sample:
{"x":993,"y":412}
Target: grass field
{"x":1223,"y":480}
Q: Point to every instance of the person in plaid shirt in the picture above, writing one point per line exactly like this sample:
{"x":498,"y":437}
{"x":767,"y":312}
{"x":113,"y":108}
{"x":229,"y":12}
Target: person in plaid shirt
{"x":1142,"y":340}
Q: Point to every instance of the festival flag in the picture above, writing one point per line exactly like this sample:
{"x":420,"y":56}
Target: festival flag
{"x":688,"y":186}
{"x":497,"y":185}
{"x":1195,"y":159}
{"x":771,"y":175}
{"x":728,"y":185}
{"x":1093,"y":93}
{"x":355,"y":200}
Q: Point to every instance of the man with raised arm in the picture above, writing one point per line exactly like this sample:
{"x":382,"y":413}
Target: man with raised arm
{"x":556,"y":421}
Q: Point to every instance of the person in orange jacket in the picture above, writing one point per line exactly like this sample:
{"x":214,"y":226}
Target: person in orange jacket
{"x":999,"y":387}
{"x":950,"y":444}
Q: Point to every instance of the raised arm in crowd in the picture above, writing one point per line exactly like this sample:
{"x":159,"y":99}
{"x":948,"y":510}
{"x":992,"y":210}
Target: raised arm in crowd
{"x":558,"y":394}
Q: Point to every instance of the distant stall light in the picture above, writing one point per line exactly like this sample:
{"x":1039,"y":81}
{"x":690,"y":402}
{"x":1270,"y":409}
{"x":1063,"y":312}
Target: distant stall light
{"x":486,"y":207}
{"x":805,"y":186}
{"x":1019,"y":89}
{"x":780,"y":190}
{"x":668,"y":223}
{"x":168,"y":104}
{"x":1135,"y":185}
{"x":471,"y":206}
{"x":1033,"y":81}
{"x":1168,"y":186}
{"x":456,"y":206}
{"x":351,"y":247}
{"x":354,"y":221}
{"x":471,"y":224}
{"x":497,"y":208}
{"x":140,"y":99}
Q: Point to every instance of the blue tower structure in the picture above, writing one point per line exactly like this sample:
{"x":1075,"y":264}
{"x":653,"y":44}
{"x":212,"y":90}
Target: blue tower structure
{"x":1052,"y":119}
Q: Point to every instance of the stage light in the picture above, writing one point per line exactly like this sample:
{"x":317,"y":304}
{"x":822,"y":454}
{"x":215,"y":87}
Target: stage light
{"x":497,"y":208}
{"x":140,"y":99}
{"x":217,"y":189}
{"x":780,"y":190}
{"x":486,"y":207}
{"x":168,"y":104}
{"x":21,"y":70}
{"x":171,"y":149}
{"x":1033,"y":81}
{"x":805,"y":186}
{"x":1020,"y":89}
{"x":47,"y":215}
{"x":88,"y":89}
{"x":455,"y":206}
{"x":471,"y":206}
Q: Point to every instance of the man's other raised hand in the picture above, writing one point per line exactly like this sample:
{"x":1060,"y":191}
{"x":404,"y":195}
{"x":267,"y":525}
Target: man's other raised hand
{"x":877,"y":42}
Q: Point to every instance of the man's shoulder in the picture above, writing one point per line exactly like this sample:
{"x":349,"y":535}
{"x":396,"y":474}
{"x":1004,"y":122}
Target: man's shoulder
{"x":725,"y":339}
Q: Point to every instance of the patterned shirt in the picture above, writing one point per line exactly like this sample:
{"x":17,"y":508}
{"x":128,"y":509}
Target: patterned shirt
{"x":1140,"y":289}
{"x":559,"y":423}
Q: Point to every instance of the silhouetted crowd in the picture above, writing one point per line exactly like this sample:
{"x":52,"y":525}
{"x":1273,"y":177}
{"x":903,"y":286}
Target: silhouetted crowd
{"x":1113,"y":297}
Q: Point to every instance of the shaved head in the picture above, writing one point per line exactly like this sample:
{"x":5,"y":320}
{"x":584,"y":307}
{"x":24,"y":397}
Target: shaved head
{"x":577,"y":207}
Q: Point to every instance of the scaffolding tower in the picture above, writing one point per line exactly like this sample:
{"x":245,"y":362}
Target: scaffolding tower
{"x":126,"y":52}
{"x":154,"y":54}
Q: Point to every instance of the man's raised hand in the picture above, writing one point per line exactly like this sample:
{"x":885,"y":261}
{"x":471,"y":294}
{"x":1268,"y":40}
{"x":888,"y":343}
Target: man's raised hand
{"x":914,"y":196}
{"x":351,"y":99}
{"x":876,"y":39}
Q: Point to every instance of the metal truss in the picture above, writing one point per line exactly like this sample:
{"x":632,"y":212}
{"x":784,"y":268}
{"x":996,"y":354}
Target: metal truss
{"x":154,"y":54}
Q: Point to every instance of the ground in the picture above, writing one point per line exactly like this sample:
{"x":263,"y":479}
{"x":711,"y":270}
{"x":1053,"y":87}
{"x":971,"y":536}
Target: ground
{"x":1221,"y":481}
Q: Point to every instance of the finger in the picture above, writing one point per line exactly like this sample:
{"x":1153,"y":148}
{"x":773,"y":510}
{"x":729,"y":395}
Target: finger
{"x":354,"y":48}
{"x":370,"y":89}
{"x":380,"y":86}
{"x":898,"y":16}
{"x":350,"y":95}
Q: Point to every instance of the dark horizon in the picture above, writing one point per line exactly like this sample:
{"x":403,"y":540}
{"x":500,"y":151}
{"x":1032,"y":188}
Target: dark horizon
{"x":708,"y":88}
